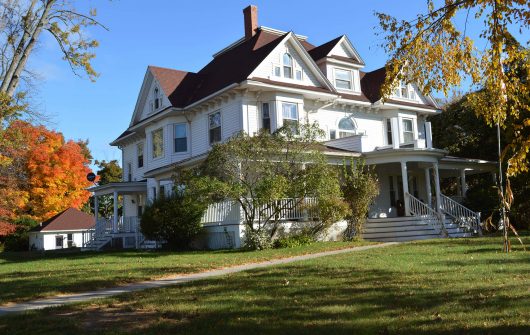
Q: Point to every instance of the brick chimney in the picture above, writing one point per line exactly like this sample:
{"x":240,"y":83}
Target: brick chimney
{"x":251,"y":21}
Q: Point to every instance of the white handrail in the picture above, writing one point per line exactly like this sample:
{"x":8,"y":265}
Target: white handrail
{"x":420,"y":209}
{"x":462,"y":215}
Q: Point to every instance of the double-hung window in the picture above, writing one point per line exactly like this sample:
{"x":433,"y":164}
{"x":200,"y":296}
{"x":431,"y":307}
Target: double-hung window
{"x":408,"y":131}
{"x":180,"y":137}
{"x":389,"y":132}
{"x":404,"y":90}
{"x":343,"y":79}
{"x":157,"y":141}
{"x":266,"y":116}
{"x":287,"y":66}
{"x":140,"y":154}
{"x":214,"y":126}
{"x":290,"y":116}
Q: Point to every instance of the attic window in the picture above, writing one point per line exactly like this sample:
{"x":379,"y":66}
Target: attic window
{"x":156,"y":102}
{"x":287,"y":66}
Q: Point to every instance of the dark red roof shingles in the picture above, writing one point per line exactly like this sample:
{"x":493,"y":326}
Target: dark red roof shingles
{"x":70,"y":219}
{"x":234,"y":65}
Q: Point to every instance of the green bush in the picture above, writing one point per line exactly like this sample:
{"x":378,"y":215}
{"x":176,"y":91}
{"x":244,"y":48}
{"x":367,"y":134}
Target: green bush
{"x":19,"y":240}
{"x":174,"y":220}
{"x":293,"y":241}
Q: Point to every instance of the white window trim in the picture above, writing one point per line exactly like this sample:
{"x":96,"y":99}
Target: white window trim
{"x":138,"y":154}
{"x":352,"y":132}
{"x":163,"y":146}
{"x":208,"y":126}
{"x":414,"y":136}
{"x":187,"y":138}
{"x":352,"y":84}
{"x":410,"y":89}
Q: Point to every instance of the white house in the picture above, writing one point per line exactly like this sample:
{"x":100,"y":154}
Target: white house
{"x":269,"y":78}
{"x":64,"y":230}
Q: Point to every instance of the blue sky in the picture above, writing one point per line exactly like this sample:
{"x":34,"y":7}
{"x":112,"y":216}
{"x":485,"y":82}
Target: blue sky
{"x":182,"y":35}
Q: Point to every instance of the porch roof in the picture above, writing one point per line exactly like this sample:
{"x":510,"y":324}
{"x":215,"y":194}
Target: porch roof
{"x":404,"y":155}
{"x":468,"y":164}
{"x":130,"y":187}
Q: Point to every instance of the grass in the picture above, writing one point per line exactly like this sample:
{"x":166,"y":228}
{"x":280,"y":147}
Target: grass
{"x":432,"y":287}
{"x":29,"y":275}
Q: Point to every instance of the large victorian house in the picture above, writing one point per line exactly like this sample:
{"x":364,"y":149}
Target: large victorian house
{"x":270,"y":78}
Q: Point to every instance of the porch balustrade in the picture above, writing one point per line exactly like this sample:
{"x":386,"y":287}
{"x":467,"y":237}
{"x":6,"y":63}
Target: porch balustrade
{"x":463,"y":216}
{"x":419,"y":209}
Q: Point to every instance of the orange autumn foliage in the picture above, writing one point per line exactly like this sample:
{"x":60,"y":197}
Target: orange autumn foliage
{"x":47,"y":174}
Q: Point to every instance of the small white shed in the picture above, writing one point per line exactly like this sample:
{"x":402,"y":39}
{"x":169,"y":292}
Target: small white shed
{"x":64,"y":230}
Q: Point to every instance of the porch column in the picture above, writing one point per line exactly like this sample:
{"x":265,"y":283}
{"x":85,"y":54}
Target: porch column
{"x":437,"y":187}
{"x":115,"y":217}
{"x":405,"y":180}
{"x":428,"y":187}
{"x":463,"y":182}
{"x":96,"y":208}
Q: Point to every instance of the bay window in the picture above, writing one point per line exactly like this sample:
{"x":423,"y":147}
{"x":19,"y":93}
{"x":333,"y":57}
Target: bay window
{"x":180,"y":138}
{"x":157,"y":141}
{"x":290,"y":116}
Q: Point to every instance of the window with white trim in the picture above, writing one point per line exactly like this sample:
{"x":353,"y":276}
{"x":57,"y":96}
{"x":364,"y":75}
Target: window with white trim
{"x":157,"y":143}
{"x":404,"y":90}
{"x":266,"y":116}
{"x":287,"y":65}
{"x":140,"y":154}
{"x":346,"y":127}
{"x":343,"y":79}
{"x":408,"y":130}
{"x":214,"y":127}
{"x":290,"y":115}
{"x":388,"y":131}
{"x":180,"y":137}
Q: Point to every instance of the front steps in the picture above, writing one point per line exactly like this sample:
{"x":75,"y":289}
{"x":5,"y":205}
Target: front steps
{"x":408,"y":229}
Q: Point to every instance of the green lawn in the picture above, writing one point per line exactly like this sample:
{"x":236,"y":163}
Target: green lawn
{"x":463,"y":286}
{"x":28,"y":275}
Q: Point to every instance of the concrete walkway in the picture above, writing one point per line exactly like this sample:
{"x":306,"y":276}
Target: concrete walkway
{"x":172,"y":280}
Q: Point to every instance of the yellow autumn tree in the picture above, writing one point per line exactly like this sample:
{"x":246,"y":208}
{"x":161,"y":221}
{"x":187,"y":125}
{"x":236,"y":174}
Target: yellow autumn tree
{"x":437,"y":54}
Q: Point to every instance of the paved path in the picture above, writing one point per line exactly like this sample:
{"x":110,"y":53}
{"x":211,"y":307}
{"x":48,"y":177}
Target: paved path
{"x":172,"y":280}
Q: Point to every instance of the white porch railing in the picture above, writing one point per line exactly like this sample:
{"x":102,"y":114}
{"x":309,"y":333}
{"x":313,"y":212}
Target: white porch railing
{"x":290,"y":209}
{"x":429,"y":215}
{"x":462,"y":215}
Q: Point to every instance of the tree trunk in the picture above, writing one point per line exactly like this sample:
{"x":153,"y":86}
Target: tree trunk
{"x":27,"y":51}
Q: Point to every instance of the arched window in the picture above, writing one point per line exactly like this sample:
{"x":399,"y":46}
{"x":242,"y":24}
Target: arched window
{"x":287,"y":65}
{"x":347,"y":127}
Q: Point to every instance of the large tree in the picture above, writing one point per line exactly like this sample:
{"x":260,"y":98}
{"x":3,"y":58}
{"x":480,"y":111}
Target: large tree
{"x":259,"y":171}
{"x":22,"y":23}
{"x":46,"y":174}
{"x":436,"y":53}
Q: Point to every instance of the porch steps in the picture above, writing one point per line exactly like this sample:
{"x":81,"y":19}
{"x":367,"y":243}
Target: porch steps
{"x":98,"y":244}
{"x":408,"y":229}
{"x":398,"y":229}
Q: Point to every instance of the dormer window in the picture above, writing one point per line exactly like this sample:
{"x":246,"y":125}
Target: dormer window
{"x":343,"y":79}
{"x":287,"y":66}
{"x":346,"y":127}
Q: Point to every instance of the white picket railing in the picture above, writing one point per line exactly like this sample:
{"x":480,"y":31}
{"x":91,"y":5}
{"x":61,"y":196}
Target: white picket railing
{"x":429,"y":215}
{"x":461,"y":215}
{"x":227,"y":212}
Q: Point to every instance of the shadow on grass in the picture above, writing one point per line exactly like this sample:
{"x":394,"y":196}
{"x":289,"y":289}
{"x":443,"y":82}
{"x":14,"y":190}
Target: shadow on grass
{"x":336,"y":295}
